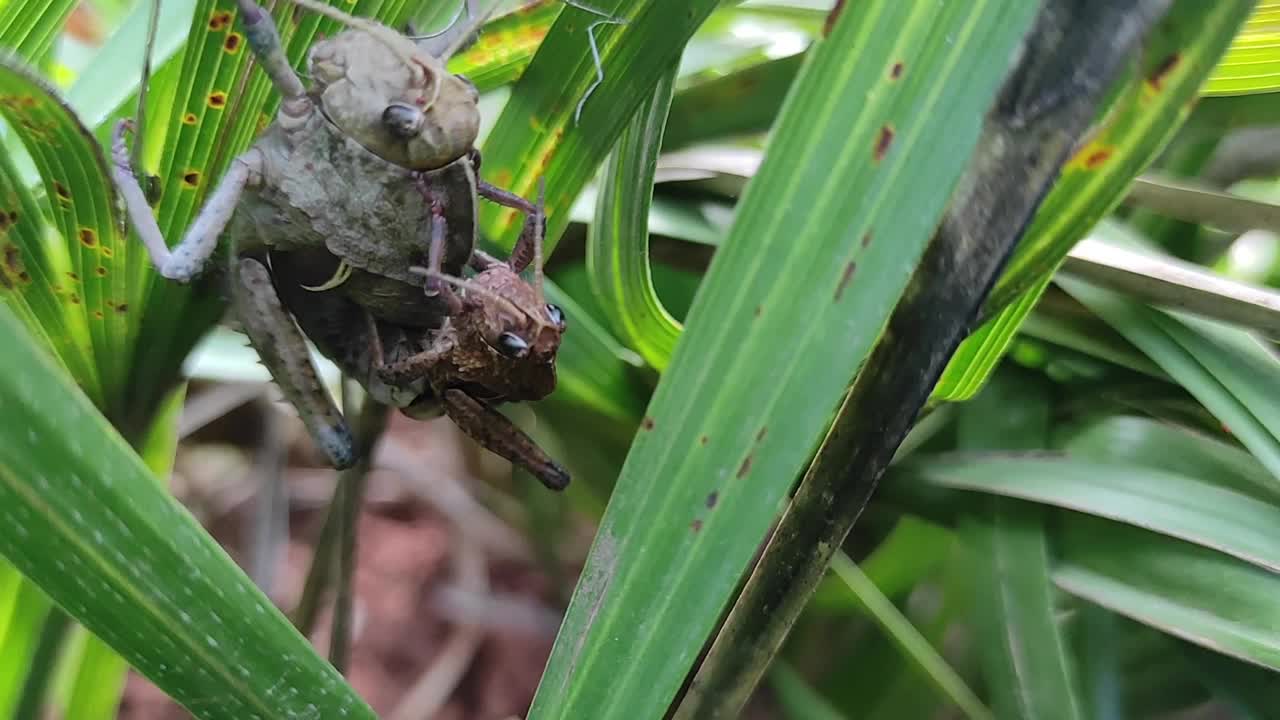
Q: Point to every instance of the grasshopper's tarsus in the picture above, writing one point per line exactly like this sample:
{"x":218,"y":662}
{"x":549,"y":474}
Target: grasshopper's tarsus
{"x":188,"y":258}
{"x":284,"y":352}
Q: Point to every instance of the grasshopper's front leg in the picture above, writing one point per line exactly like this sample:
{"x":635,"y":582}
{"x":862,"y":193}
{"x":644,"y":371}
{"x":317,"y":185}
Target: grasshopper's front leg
{"x":187,"y":259}
{"x":283,"y":350}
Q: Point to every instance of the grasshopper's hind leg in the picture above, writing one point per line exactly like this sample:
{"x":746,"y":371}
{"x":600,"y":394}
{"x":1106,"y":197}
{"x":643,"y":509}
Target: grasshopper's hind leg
{"x":283,"y":350}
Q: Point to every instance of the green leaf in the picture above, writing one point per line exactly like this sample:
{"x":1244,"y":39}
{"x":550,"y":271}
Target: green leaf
{"x":1252,"y":63}
{"x":23,"y":610}
{"x":924,"y":658}
{"x":618,"y":241}
{"x":1197,"y":594}
{"x":1228,"y":370}
{"x":1192,"y":509}
{"x":506,"y":44}
{"x":30,"y":27}
{"x":980,"y":353}
{"x":82,"y":516}
{"x":561,"y":149}
{"x":728,"y":432}
{"x":1161,"y":446}
{"x":1144,"y":113}
{"x":1021,"y":645}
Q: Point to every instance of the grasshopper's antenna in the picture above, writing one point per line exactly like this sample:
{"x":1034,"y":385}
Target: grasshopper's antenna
{"x":473,"y":23}
{"x":469,"y":287}
{"x":537,"y":241}
{"x":398,"y":43}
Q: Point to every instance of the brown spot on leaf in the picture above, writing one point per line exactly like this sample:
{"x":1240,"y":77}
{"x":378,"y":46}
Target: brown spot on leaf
{"x":760,"y":435}
{"x":122,"y":308}
{"x":232,"y":43}
{"x":883,"y":142}
{"x":895,"y":72}
{"x":704,"y":440}
{"x":1161,"y":72}
{"x":696,"y":525}
{"x":64,"y":195}
{"x":88,"y":237}
{"x":220,"y":20}
{"x":712,"y":499}
{"x":13,"y":266}
{"x":74,"y":298}
{"x":647,"y":423}
{"x":74,"y":277}
{"x":24,"y":278}
{"x":189,"y":119}
{"x":98,"y":314}
{"x":866,"y":238}
{"x":217,"y":99}
{"x":107,"y":251}
{"x":745,"y":467}
{"x":4,"y":221}
{"x":845,"y":278}
{"x":758,"y":311}
{"x":191,"y":179}
{"x":1097,"y":157}
{"x":100,"y":271}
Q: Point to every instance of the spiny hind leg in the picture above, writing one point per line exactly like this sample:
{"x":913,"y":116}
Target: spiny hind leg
{"x":283,"y":350}
{"x":188,"y":258}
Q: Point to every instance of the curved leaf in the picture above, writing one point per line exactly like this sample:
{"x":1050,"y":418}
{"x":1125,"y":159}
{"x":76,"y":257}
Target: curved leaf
{"x":1252,"y":63}
{"x":618,"y":240}
{"x":82,"y":516}
{"x":1191,"y":592}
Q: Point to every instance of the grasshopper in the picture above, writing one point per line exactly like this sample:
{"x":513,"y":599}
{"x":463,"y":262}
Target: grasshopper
{"x":358,"y":183}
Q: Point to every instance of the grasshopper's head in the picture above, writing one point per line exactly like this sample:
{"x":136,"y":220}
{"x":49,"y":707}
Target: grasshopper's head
{"x":395,"y":99}
{"x":508,"y":320}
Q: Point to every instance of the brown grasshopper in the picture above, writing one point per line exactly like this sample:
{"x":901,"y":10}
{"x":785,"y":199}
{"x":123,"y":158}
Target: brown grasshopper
{"x":367,"y":176}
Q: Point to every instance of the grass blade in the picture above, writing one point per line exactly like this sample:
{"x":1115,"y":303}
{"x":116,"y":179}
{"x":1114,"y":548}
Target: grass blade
{"x":1023,"y":650}
{"x":712,"y":464}
{"x":1252,"y":63}
{"x":83,"y":518}
{"x":925,"y":659}
{"x":565,"y":151}
{"x":618,"y":241}
{"x":1190,"y":592}
{"x":1227,"y":370}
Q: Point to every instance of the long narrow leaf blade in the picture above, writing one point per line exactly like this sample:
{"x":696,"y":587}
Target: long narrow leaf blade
{"x":81,"y":515}
{"x":728,"y":432}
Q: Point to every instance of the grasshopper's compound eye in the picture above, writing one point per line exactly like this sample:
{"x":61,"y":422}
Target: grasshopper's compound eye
{"x":556,"y":314}
{"x":512,"y":345}
{"x":403,"y":121}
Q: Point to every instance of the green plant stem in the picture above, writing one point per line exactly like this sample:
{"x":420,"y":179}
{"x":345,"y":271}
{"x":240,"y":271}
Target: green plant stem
{"x":1022,"y":148}
{"x":31,"y":703}
{"x":308,"y":609}
{"x":348,"y":497}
